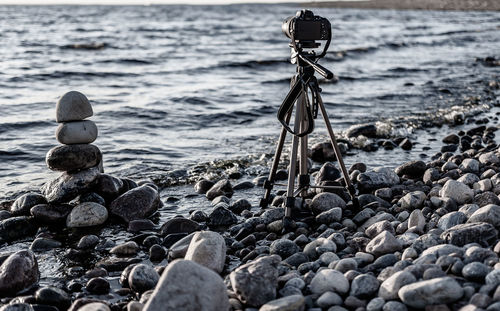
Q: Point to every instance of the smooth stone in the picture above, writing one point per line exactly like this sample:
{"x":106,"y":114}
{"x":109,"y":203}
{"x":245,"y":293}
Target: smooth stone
{"x":325,"y":201}
{"x":364,"y":286}
{"x":289,"y":303}
{"x":18,"y":272}
{"x":222,"y":187}
{"x":493,"y":278}
{"x":417,"y":220}
{"x":375,"y":304}
{"x":378,"y":178}
{"x":140,"y":225}
{"x":95,"y":306}
{"x":239,"y":206}
{"x":14,"y":228}
{"x":68,"y":186}
{"x":179,"y":248}
{"x":125,"y":249}
{"x":186,"y":285}
{"x":44,"y":244}
{"x":412,"y":168}
{"x":53,"y":296}
{"x":368,"y":130}
{"x":98,"y":285}
{"x":469,"y":166}
{"x":390,"y":287}
{"x":109,"y":187}
{"x":284,"y":248}
{"x":329,"y":280}
{"x":137,"y":203}
{"x":489,"y":213}
{"x":255,"y":282}
{"x":435,"y":291}
{"x":87,"y":215}
{"x":51,"y":213}
{"x":482,"y":233}
{"x":450,"y":220}
{"x":394,"y":306}
{"x":178,"y":225}
{"x":379,"y":227}
{"x":73,"y":106}
{"x":17,"y":307}
{"x":328,"y":172}
{"x":312,"y":249}
{"x":24,"y":203}
{"x":76,"y":132}
{"x":329,"y":299}
{"x":87,"y":242}
{"x":203,"y":186}
{"x":135,"y":306}
{"x":475,"y":271}
{"x":157,"y":253}
{"x":383,"y":243}
{"x":208,"y":249}
{"x":221,"y":216}
{"x":329,"y":216}
{"x":143,"y":278}
{"x":459,"y":192}
{"x":89,"y":197}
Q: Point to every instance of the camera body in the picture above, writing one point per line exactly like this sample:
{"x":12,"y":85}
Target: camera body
{"x":305,"y":26}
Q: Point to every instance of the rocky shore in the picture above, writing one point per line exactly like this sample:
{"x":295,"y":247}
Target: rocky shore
{"x":425,"y":237}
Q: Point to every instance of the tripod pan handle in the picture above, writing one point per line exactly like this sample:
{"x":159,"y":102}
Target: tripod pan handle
{"x":318,"y":68}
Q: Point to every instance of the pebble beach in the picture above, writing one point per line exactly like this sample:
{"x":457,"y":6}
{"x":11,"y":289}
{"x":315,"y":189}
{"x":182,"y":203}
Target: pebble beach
{"x":425,"y":236}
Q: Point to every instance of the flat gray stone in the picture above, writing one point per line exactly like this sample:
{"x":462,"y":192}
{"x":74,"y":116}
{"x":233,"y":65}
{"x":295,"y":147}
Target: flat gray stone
{"x":73,"y":157}
{"x":76,"y":132}
{"x":73,"y":106}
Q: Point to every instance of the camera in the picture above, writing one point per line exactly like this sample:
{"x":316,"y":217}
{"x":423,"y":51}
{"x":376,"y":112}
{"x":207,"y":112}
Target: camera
{"x":305,"y":26}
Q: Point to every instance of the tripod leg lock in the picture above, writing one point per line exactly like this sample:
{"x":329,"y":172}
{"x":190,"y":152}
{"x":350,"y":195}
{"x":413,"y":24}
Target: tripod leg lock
{"x":304,"y":181}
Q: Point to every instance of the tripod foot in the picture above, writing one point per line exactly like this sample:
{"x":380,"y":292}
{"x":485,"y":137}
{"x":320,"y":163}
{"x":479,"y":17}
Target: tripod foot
{"x":288,"y":224}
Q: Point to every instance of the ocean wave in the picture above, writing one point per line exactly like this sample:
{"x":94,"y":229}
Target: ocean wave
{"x":70,"y":74}
{"x":86,"y":46}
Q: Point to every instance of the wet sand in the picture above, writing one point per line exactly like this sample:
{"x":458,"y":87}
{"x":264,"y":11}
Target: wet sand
{"x":451,"y":5}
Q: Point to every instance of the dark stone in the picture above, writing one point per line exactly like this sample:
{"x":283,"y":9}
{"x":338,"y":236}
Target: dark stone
{"x":53,"y":296}
{"x":23,"y":204}
{"x":222,"y":187}
{"x":368,"y":130}
{"x":482,"y":233}
{"x":449,"y":148}
{"x":137,"y":203}
{"x":244,"y":185}
{"x":14,"y":228}
{"x":51,"y":213}
{"x":44,"y":244}
{"x":284,"y":248}
{"x":109,"y":187}
{"x":73,"y":157}
{"x":157,"y":253}
{"x":328,"y":172}
{"x":239,"y":206}
{"x":406,"y":144}
{"x":451,"y":139}
{"x":412,"y":168}
{"x":364,"y":286}
{"x":485,"y":198}
{"x":98,"y":286}
{"x":203,"y":186}
{"x":89,"y":197}
{"x":221,"y":216}
{"x":178,"y":225}
{"x":171,"y":239}
{"x":18,"y":272}
{"x":68,"y":185}
{"x":140,"y":225}
{"x":297,"y":259}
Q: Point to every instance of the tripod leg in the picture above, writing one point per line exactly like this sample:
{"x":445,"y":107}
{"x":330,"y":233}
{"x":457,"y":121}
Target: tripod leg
{"x":268,"y":184}
{"x":304,"y":181}
{"x":336,"y":149}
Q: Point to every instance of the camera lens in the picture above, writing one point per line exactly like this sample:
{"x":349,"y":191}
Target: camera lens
{"x":287,"y":24}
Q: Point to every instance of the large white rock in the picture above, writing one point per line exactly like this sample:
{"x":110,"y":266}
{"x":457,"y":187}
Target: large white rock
{"x":431,"y":292}
{"x":86,"y":215}
{"x":186,"y":285}
{"x":73,"y":106}
{"x":389,"y":288}
{"x":208,"y":248}
{"x":77,"y":132}
{"x":457,"y":191}
{"x":329,"y":280}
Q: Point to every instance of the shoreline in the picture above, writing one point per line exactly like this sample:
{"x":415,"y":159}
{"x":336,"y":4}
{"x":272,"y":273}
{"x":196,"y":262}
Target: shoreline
{"x":438,"y":5}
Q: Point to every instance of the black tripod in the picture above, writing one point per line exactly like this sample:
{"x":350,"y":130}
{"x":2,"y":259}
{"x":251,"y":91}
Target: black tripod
{"x":303,"y":83}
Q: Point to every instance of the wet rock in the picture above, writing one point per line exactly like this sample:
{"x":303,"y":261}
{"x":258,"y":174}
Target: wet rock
{"x":221,"y":216}
{"x":203,"y":186}
{"x":87,"y":242}
{"x":482,"y":233}
{"x":383,"y":243}
{"x":436,"y":291}
{"x":76,"y":132}
{"x":208,"y":249}
{"x":178,"y":225}
{"x":89,"y":197}
{"x":328,"y":172}
{"x":137,"y":203}
{"x":98,"y":286}
{"x":406,"y":144}
{"x":53,"y":296}
{"x":493,"y":278}
{"x":44,"y":244}
{"x":186,"y":285}
{"x":15,"y":228}
{"x":255,"y":282}
{"x":125,"y":249}
{"x":457,"y":191}
{"x":140,"y":225}
{"x":68,"y":185}
{"x":451,"y":139}
{"x":239,"y":206}
{"x":73,"y":157}
{"x":364,"y":286}
{"x":157,"y":253}
{"x":368,"y":130}
{"x":24,"y":203}
{"x":18,"y":272}
{"x":284,"y":248}
{"x":51,"y":213}
{"x":413,"y":168}
{"x":489,"y":213}
{"x":73,"y":106}
{"x":87,"y":215}
{"x":142,"y":278}
{"x":109,"y":187}
{"x":222,"y":187}
{"x":325,"y":201}
{"x":378,"y":178}
{"x":390,"y":287}
{"x":329,"y":280}
{"x":289,"y":303}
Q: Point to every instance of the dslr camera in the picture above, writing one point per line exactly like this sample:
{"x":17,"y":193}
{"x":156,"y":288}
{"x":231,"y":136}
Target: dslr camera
{"x":305,"y":26}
